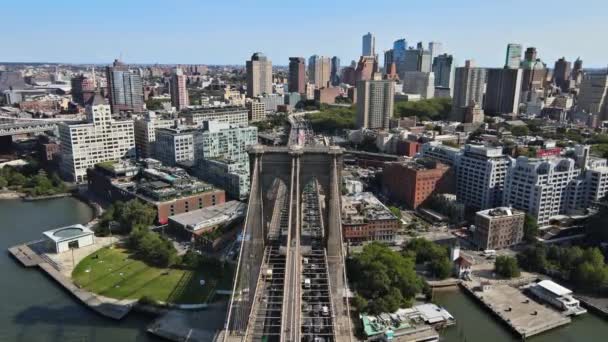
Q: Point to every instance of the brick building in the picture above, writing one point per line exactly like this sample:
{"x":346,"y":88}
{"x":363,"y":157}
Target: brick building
{"x":498,"y":228}
{"x":365,"y":218}
{"x":414,"y":182}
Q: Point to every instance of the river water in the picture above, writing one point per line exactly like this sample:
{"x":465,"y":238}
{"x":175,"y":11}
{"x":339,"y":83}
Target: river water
{"x":33,"y":308}
{"x":474,"y":324}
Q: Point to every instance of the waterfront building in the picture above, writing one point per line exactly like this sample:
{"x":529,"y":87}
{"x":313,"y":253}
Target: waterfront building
{"x":558,"y":296}
{"x":101,"y":138}
{"x":231,"y":115}
{"x":498,"y":228}
{"x":541,"y":187}
{"x":179,"y":92}
{"x":71,"y":237}
{"x":421,"y":83}
{"x":369,"y":45}
{"x":365,"y":218}
{"x":375,"y":103}
{"x":481,"y":175}
{"x":170,"y":190}
{"x":297,"y":75}
{"x":145,"y":133}
{"x":503,"y":91}
{"x":469,"y":85}
{"x":259,"y":75}
{"x":513,"y":56}
{"x":125,"y":88}
{"x":414,"y":182}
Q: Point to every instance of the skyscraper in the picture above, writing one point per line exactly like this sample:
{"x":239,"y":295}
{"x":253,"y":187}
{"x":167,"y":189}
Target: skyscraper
{"x":369,"y":45}
{"x":389,"y":59}
{"x":335,"y":71}
{"x":503,"y":91}
{"x":530,"y":54}
{"x":417,"y":59}
{"x":319,"y":70}
{"x":435,"y":49}
{"x":513,"y":57}
{"x":297,"y":75}
{"x":83,"y":89}
{"x":399,"y":49}
{"x":125,"y":88}
{"x":365,"y":68}
{"x":179,"y":92}
{"x":259,"y":75}
{"x":421,"y":83}
{"x":469,"y":82}
{"x":593,"y":97}
{"x":561,"y":74}
{"x":443,"y":68}
{"x":375,"y":103}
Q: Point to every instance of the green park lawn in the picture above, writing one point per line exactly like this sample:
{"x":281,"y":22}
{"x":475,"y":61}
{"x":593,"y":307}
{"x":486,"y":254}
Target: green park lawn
{"x":113,"y":273}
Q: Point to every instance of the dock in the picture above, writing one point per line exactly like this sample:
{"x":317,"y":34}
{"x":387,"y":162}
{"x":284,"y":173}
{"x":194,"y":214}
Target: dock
{"x":522,"y":315}
{"x":107,"y":307}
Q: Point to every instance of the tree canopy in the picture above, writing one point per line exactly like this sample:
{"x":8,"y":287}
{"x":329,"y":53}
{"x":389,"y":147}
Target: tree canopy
{"x":435,"y":256}
{"x":431,"y":109}
{"x":129,"y":215}
{"x":384,"y":279}
{"x":506,"y":266}
{"x":332,"y":119}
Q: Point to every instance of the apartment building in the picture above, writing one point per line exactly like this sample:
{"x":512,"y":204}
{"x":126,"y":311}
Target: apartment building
{"x":498,"y":228}
{"x":100,"y":139}
{"x":145,"y":133}
{"x":231,"y":115}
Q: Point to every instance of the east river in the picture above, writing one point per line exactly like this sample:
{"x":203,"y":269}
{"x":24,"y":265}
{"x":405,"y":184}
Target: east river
{"x":34,"y":308}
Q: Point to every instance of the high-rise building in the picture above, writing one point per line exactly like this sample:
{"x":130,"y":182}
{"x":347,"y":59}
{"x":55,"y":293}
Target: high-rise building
{"x":513,"y":56}
{"x":498,"y":228}
{"x":297,"y":75}
{"x":175,"y":145}
{"x":365,"y":68}
{"x":474,"y":114}
{"x":417,"y":59}
{"x":534,"y":74}
{"x":530,"y":54}
{"x":259,"y":75}
{"x":435,"y":49}
{"x":481,"y":176}
{"x":469,"y":84}
{"x":593,"y":96}
{"x":145,"y":133}
{"x":375,"y":103}
{"x":257,"y":110}
{"x":369,"y":45}
{"x":319,"y":70}
{"x":389,"y":59}
{"x":125,"y":89}
{"x":98,"y":140}
{"x":503,"y":91}
{"x":349,"y":75}
{"x":577,"y":72}
{"x":418,"y":82}
{"x":83,"y":89}
{"x":443,"y":68}
{"x":561,"y":74}
{"x":335,"y":71}
{"x":540,"y":186}
{"x":179,"y":92}
{"x":399,"y":49}
{"x":221,"y":156}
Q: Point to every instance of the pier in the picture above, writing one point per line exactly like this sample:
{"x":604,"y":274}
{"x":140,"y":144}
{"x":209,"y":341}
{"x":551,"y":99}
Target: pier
{"x":522,"y":315}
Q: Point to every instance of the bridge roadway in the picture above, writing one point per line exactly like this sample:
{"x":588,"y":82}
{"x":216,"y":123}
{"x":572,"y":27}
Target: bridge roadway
{"x":274,"y":261}
{"x":16,"y":128}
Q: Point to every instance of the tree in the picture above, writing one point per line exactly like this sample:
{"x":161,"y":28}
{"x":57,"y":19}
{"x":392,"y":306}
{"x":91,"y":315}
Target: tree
{"x":384,"y":278}
{"x":433,"y":109}
{"x":16,"y":179}
{"x":533,"y":258}
{"x":596,"y":226}
{"x":506,"y":267}
{"x":519,"y":131}
{"x":441,"y":268}
{"x":3,"y":182}
{"x":395,"y":211}
{"x":530,"y":228}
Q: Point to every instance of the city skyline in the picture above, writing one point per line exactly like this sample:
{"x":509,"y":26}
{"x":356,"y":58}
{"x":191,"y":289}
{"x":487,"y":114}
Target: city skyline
{"x":143,"y":32}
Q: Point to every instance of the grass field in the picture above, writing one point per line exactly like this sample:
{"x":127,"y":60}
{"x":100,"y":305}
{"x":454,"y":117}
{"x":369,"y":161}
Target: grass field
{"x":113,"y":273}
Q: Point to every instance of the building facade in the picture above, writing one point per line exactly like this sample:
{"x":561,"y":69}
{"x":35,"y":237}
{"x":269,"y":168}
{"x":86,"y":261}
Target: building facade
{"x":125,"y":88}
{"x":319,"y":70}
{"x":375,"y":103}
{"x":469,"y":85}
{"x":100,"y":139}
{"x":231,"y":115}
{"x":259,"y":75}
{"x":444,"y":68}
{"x":503,"y":91}
{"x":513,"y":56}
{"x":498,"y":228}
{"x":421,"y":83}
{"x":145,"y":133}
{"x":297,"y":75}
{"x":179,"y":92}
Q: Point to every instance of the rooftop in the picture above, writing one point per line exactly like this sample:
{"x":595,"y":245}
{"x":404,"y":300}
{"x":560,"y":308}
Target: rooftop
{"x":554,"y":288}
{"x":210,"y":216}
{"x":67,"y":233}
{"x":364,"y":207}
{"x":498,"y":212}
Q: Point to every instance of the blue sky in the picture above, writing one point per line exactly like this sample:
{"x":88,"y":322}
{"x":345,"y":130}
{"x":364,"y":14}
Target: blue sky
{"x":228,"y":32}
